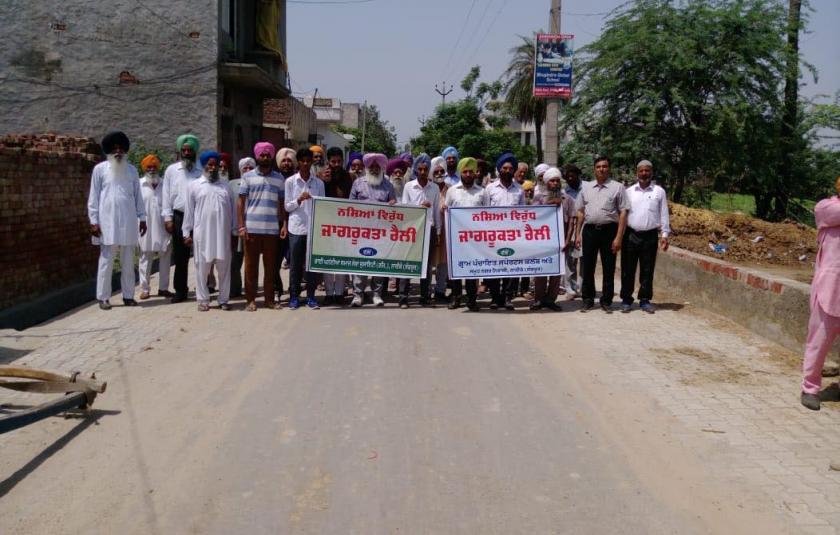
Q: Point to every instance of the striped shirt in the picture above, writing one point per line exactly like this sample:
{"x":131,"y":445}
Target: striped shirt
{"x":264,"y":193}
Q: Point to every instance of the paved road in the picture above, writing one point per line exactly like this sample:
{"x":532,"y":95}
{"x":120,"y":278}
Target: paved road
{"x":373,"y":421}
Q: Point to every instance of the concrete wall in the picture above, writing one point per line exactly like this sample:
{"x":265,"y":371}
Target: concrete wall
{"x":44,"y":231}
{"x":774,"y":307}
{"x":62,"y":60}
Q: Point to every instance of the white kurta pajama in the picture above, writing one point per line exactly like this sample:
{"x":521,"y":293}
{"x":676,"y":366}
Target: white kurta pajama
{"x":116,"y":205}
{"x":156,"y":239}
{"x":209,"y":215}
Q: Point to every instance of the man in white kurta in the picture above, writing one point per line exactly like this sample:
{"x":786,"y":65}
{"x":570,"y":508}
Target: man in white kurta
{"x":208,"y":227}
{"x":156,"y":240}
{"x":116,"y":212}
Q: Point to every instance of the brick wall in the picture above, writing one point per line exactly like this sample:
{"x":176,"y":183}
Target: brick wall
{"x":44,"y":231}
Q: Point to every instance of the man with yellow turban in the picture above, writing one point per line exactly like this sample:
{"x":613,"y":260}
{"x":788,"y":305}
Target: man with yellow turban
{"x":156,"y":240}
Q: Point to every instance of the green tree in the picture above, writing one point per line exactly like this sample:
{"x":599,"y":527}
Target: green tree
{"x":518,"y":87}
{"x":379,"y":136}
{"x":693,"y":86}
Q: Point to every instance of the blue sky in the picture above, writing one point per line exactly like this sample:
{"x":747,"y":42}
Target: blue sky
{"x":393,"y":52}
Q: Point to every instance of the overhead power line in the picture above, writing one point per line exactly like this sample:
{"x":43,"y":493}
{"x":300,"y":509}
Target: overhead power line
{"x":458,"y":41}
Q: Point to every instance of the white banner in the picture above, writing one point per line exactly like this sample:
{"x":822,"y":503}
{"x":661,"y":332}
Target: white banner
{"x":505,"y":241}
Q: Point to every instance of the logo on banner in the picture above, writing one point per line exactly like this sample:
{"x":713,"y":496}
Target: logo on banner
{"x":368,"y":251}
{"x":506,"y":251}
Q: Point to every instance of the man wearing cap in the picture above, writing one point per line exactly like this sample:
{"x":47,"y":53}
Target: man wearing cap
{"x":504,"y":192}
{"x":648,"y":227}
{"x":546,"y":289}
{"x":261,"y":221}
{"x":209,"y":225}
{"x":156,"y":239}
{"x":450,"y":156}
{"x":300,"y":188}
{"x":337,"y":185}
{"x":237,"y":245}
{"x":116,"y":213}
{"x":371,"y":187}
{"x":601,"y":220}
{"x":571,"y":175}
{"x":466,"y":193}
{"x":395,"y":172}
{"x":422,"y":192}
{"x":176,"y":178}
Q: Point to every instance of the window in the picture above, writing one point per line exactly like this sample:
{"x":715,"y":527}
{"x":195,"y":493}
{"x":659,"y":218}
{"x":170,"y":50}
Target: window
{"x":527,"y":138}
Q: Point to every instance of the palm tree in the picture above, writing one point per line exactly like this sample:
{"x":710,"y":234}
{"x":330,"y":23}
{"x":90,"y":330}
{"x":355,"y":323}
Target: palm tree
{"x":518,"y":85}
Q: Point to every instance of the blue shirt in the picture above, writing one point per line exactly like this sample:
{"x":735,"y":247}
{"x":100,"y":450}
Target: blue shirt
{"x":264,"y":194}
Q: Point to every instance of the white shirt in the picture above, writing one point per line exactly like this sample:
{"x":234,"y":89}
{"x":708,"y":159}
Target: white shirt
{"x":175,"y":181}
{"x":648,"y":209}
{"x":415,"y":195}
{"x":301,"y":214}
{"x":156,"y":237}
{"x":115,"y":204}
{"x":459,"y":195}
{"x":499,"y":195}
{"x":209,"y":215}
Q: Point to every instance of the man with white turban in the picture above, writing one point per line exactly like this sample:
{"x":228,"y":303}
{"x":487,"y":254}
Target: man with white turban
{"x":371,"y":187}
{"x":116,"y":212}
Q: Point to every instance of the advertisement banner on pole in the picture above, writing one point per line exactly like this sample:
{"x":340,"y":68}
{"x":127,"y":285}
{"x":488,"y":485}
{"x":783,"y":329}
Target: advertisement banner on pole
{"x":553,"y":65}
{"x":505,"y":241}
{"x":365,"y":238}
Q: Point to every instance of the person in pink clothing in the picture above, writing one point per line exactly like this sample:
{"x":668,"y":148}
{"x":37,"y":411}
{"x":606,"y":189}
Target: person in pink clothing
{"x":824,"y":325}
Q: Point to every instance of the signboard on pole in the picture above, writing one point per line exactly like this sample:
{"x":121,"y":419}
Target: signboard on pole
{"x":366,"y":238}
{"x":505,"y":241}
{"x":553,"y":65}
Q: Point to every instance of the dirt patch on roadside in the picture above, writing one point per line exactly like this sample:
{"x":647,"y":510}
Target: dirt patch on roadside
{"x":697,"y":367}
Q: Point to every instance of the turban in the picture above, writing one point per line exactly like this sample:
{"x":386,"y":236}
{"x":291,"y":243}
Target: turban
{"x":541,"y":169}
{"x":353,"y":156}
{"x":450,"y":151}
{"x":206,"y":155}
{"x":422,"y":158}
{"x":150,"y":159}
{"x":246,"y":161}
{"x":467,"y":163}
{"x":114,"y":138}
{"x":644,"y":163}
{"x":316,"y":148}
{"x":505,"y":158}
{"x":375,"y":158}
{"x":438,"y":161}
{"x":395,"y":164}
{"x":406,"y":156}
{"x":263,"y":146}
{"x":528,"y":185}
{"x":284,"y":153}
{"x":189,"y":139}
{"x":552,"y":173}
{"x":226,"y":157}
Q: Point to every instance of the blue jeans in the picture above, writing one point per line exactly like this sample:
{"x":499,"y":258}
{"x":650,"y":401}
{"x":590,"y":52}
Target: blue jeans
{"x":297,"y":263}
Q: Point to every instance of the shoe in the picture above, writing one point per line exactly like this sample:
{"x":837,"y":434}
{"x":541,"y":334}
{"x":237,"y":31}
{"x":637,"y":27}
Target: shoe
{"x":251,"y":307}
{"x":606,"y":308}
{"x":473,"y":307}
{"x":164,"y":293}
{"x":454,"y":304}
{"x":224,"y":306}
{"x":647,"y":307}
{"x":811,"y":401}
{"x":403,"y":303}
{"x":535,"y":306}
{"x":294,"y":303}
{"x":203,"y":307}
{"x":377,"y":301}
{"x":508,"y":305}
{"x":441,"y":297}
{"x":129,"y":302}
{"x":144,"y":296}
{"x":424,"y":301}
{"x":105,"y":305}
{"x":625,"y":307}
{"x":312,"y":304}
{"x":587,"y":306}
{"x":178,"y":299}
{"x":553,"y":306}
{"x":494,"y":306}
{"x":356,"y":302}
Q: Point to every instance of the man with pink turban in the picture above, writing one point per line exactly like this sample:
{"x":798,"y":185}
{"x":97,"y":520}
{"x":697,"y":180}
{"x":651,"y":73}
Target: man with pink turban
{"x":371,"y":187}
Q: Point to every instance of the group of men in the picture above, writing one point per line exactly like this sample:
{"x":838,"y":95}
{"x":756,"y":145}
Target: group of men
{"x":198,"y":208}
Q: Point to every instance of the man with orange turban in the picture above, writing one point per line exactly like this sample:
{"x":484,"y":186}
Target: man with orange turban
{"x":156,"y":240}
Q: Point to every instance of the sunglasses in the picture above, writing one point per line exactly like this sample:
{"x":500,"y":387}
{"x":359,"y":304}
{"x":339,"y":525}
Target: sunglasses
{"x":436,"y":173}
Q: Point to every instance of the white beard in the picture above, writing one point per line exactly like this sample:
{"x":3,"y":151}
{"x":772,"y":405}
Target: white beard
{"x":224,"y":175}
{"x":119,"y":167}
{"x":373,"y":180}
{"x":153,"y":178}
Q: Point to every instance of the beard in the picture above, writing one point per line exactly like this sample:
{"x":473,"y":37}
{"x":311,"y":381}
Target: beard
{"x":506,"y":176}
{"x":224,"y":175}
{"x":373,"y":180}
{"x":119,"y":167}
{"x":153,"y":178}
{"x":189,"y":161}
{"x":212,"y":177}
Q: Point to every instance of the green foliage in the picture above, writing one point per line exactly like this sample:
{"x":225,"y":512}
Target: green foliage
{"x":139,"y":151}
{"x":518,"y":87}
{"x":379,"y":136}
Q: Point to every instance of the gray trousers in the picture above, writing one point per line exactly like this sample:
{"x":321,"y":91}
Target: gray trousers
{"x":360,"y":282}
{"x":572,"y":284}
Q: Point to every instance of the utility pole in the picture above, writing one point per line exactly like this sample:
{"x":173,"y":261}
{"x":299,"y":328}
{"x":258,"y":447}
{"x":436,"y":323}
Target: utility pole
{"x":442,"y":91}
{"x":364,"y":124}
{"x":552,"y":108}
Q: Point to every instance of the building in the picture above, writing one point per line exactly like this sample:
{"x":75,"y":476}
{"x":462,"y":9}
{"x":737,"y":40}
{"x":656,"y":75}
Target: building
{"x":288,"y":122}
{"x":526,"y":132}
{"x":154,"y":69}
{"x":331,"y":112}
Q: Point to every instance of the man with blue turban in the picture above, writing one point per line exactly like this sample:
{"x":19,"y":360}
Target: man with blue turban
{"x":209,"y":225}
{"x":176,"y":178}
{"x":504,"y":192}
{"x":451,"y":156}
